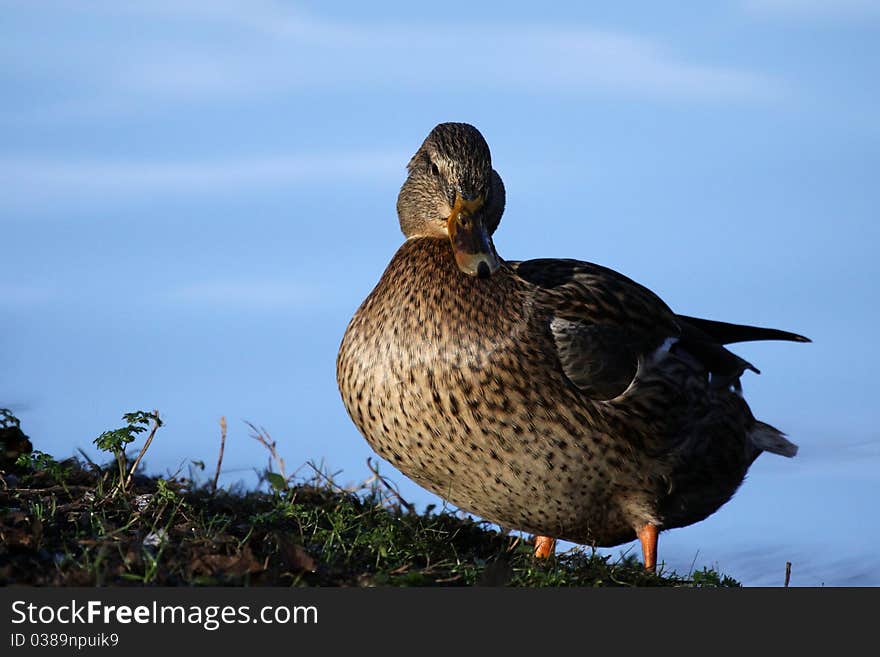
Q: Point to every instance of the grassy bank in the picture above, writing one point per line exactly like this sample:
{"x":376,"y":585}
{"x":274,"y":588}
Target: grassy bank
{"x":76,"y":522}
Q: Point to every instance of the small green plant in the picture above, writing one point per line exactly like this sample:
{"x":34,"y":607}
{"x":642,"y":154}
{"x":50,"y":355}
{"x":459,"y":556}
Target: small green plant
{"x":115,"y":441}
{"x":44,"y":511}
{"x":13,"y":441}
{"x":8,"y":419}
{"x":276,"y":481}
{"x":38,"y":461}
{"x":164,"y":492}
{"x":710,"y":578}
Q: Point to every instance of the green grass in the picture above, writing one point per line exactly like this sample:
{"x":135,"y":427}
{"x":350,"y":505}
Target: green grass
{"x":74,"y":523}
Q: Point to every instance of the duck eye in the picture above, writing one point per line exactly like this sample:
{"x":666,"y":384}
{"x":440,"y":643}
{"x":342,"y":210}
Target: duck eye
{"x":435,"y":169}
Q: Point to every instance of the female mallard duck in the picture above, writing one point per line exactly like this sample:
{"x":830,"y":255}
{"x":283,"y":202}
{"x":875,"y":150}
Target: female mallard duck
{"x":556,"y":397}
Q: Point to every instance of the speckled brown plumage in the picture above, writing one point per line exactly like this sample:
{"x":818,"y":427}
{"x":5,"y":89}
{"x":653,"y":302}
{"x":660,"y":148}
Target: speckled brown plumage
{"x":555,"y":397}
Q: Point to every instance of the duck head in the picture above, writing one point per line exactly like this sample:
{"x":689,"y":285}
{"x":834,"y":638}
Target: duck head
{"x":452,"y":192}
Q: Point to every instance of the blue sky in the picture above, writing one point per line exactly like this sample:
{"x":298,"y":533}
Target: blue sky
{"x":195,"y":197}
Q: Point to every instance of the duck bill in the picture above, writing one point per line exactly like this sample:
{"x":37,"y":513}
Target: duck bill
{"x":471,"y":244}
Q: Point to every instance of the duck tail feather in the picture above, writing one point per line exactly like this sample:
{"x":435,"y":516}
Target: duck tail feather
{"x":771,"y":439}
{"x":726,"y":333}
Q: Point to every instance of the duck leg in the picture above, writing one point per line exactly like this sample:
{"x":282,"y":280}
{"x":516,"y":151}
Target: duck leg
{"x":648,"y":537}
{"x":544,"y":546}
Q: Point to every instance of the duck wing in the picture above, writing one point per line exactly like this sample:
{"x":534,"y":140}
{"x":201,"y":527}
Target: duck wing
{"x":604,"y":325}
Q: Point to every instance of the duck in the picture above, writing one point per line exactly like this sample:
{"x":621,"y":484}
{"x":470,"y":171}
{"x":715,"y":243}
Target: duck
{"x":555,"y":397}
